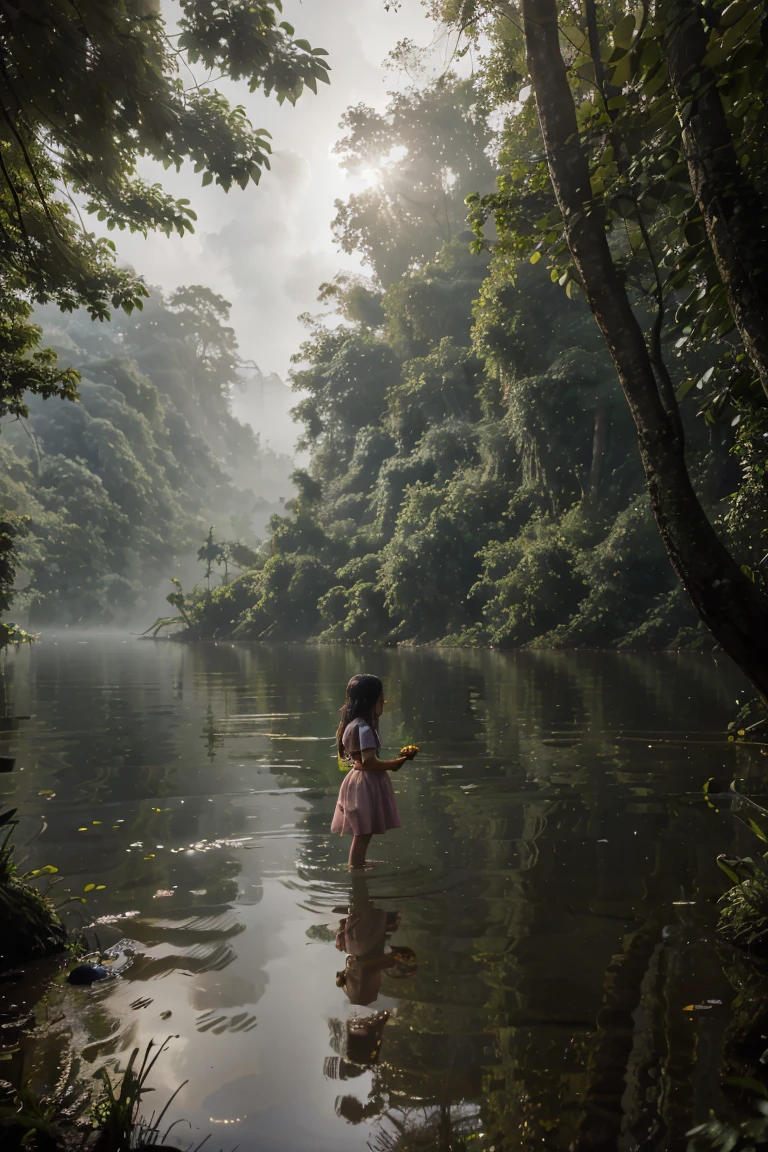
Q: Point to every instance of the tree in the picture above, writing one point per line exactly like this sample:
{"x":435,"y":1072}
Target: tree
{"x":86,"y":91}
{"x":734,"y":610}
{"x":427,"y":150}
{"x":10,"y":527}
{"x":591,"y":127}
{"x":346,"y":376}
{"x":733,"y":211}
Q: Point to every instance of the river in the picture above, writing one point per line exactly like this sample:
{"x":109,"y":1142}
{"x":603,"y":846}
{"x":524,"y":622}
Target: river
{"x":549,"y":900}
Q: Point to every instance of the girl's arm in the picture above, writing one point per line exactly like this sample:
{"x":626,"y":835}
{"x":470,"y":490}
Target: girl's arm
{"x":371,"y":762}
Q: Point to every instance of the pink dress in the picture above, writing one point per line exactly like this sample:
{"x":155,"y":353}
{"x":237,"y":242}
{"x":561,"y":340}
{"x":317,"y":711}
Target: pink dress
{"x":367,"y":799}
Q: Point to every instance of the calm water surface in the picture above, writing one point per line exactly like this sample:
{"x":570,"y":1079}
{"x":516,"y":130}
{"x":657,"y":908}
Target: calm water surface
{"x":548,"y":900}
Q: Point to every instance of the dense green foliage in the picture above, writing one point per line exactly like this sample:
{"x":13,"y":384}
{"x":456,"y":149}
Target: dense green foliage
{"x":31,"y":926}
{"x":118,"y":487}
{"x":474,"y":476}
{"x":87,"y":91}
{"x":473,"y":473}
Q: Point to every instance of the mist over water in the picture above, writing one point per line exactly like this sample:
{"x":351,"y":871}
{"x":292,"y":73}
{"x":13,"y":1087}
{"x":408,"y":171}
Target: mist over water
{"x":549,"y":898}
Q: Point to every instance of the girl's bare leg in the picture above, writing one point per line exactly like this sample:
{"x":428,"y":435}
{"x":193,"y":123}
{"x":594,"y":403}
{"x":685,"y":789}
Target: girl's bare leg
{"x":358,"y":850}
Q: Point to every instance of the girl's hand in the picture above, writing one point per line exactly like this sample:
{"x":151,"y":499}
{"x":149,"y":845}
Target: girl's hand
{"x":409,"y":751}
{"x":399,"y":763}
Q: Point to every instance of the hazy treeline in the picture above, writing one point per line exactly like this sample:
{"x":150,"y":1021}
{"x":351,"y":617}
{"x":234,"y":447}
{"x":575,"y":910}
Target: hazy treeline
{"x":122,"y":485}
{"x":474,"y":475}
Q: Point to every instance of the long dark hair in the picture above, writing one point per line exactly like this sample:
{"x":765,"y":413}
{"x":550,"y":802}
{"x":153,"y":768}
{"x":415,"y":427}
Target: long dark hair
{"x":363,"y":694}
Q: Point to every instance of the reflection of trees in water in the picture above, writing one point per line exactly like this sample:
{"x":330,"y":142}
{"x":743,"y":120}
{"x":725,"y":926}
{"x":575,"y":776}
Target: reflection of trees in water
{"x":612,"y":1056}
{"x":442,"y":1127}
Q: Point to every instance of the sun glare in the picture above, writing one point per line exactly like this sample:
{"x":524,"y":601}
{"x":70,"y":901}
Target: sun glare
{"x":369,"y":177}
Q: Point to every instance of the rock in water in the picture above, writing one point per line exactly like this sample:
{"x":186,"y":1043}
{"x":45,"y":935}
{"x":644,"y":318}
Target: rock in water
{"x":89,"y":974}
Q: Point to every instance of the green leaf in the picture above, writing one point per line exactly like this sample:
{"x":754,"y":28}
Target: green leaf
{"x":733,"y":876}
{"x":575,"y":37}
{"x":623,"y":71}
{"x":757,"y":830}
{"x":734,"y":12}
{"x":749,"y":1083}
{"x":535,"y":257}
{"x":650,"y":55}
{"x":655,"y":82}
{"x":622,"y":33}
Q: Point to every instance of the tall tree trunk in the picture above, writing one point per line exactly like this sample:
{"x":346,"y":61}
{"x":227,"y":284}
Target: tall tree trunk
{"x":733,"y":213}
{"x":728,"y":602}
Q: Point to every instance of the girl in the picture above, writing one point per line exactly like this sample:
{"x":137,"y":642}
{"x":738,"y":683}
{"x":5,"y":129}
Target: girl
{"x":366,"y":801}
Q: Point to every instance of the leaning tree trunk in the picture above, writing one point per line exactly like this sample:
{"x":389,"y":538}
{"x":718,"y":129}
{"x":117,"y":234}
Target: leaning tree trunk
{"x":728,"y":602}
{"x":733,"y":213}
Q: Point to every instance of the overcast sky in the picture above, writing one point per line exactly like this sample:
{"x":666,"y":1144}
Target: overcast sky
{"x":268,"y":248}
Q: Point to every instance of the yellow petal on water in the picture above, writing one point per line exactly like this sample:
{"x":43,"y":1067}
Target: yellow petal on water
{"x":82,"y":829}
{"x":99,"y":887}
{"x":689,"y":1008}
{"x":89,"y":888}
{"x":96,"y":821}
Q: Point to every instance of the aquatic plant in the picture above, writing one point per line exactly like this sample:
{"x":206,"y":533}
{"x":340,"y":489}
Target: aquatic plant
{"x":744,"y":911}
{"x":116,"y":1113}
{"x":32,"y":1120}
{"x":43,"y":1122}
{"x":29,"y":924}
{"x":54,"y":1121}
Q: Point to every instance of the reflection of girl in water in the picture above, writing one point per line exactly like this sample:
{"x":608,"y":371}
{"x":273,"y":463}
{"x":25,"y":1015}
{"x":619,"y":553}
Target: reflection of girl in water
{"x":366,"y":803}
{"x":363,"y":936}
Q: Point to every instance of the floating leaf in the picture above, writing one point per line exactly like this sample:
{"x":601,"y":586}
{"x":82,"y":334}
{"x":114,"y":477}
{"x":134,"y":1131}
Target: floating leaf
{"x":89,"y":888}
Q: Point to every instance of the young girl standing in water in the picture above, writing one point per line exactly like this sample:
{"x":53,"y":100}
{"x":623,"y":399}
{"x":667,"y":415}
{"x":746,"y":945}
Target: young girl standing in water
{"x":366,"y":803}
